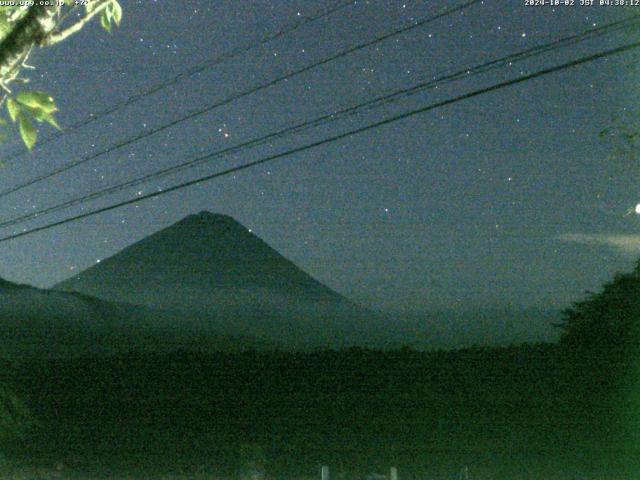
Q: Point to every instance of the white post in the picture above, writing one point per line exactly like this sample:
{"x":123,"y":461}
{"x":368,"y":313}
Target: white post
{"x":393,"y":473}
{"x":324,"y":473}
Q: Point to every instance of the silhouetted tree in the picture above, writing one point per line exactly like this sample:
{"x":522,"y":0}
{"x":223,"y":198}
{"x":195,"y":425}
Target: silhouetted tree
{"x":600,"y":345}
{"x":607,"y":322}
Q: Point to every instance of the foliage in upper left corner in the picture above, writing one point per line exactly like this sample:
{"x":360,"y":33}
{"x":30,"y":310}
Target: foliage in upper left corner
{"x":28,"y":106}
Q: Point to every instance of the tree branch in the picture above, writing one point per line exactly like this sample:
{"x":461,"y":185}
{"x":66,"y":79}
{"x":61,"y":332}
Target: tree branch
{"x":17,"y":14}
{"x":56,"y":37}
{"x":30,"y":30}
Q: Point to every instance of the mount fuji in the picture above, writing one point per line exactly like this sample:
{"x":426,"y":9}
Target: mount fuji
{"x":211,"y":274}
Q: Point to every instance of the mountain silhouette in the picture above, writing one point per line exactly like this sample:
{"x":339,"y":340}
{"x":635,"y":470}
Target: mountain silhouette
{"x":38,"y":323}
{"x":43,"y":323}
{"x":212,"y":274}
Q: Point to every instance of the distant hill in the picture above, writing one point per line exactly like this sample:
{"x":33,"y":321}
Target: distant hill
{"x":37,"y":323}
{"x":209,"y":270}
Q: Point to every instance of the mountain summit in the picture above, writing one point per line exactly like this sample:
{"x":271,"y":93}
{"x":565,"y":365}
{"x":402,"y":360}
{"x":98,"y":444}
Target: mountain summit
{"x":195,"y":260}
{"x":211,"y":270}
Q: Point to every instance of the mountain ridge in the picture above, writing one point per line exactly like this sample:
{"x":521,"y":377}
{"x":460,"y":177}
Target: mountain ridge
{"x":43,"y":323}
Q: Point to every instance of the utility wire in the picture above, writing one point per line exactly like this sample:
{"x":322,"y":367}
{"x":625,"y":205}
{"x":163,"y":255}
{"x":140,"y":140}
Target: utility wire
{"x":588,"y":34}
{"x":232,"y":98}
{"x":371,"y":126}
{"x":196,"y":69}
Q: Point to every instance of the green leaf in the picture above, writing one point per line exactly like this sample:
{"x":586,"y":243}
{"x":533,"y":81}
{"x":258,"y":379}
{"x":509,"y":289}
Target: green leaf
{"x":27,"y":131}
{"x":42,"y":116}
{"x":116,"y":12}
{"x":36,"y":99}
{"x":13,"y":108}
{"x":105,"y":20}
{"x":51,"y":120}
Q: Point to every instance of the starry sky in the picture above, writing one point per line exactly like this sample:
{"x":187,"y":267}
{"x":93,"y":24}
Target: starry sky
{"x":507,"y":199}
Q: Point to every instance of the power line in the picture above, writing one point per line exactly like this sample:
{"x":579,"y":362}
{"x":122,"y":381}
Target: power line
{"x":323,"y":119}
{"x":196,"y":69}
{"x":395,"y":118}
{"x":232,"y":98}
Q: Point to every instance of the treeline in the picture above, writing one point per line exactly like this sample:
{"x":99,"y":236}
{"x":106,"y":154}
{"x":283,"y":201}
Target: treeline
{"x":500,"y":411}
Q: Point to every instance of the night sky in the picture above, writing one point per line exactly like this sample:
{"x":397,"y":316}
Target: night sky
{"x":507,"y":199}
